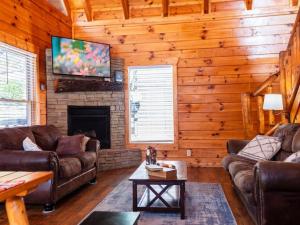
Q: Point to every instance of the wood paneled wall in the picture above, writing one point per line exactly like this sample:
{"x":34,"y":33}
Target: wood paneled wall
{"x":219,"y":55}
{"x":290,"y":74}
{"x":29,"y":24}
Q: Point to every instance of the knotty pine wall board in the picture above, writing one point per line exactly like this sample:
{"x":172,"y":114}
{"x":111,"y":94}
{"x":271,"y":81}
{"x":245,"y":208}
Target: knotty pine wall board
{"x":220,"y":56}
{"x":290,"y":74}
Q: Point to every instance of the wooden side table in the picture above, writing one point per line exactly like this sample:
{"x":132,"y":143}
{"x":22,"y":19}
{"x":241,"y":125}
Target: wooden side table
{"x":13,"y":196}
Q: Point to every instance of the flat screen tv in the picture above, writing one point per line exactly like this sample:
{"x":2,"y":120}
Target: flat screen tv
{"x":82,"y":58}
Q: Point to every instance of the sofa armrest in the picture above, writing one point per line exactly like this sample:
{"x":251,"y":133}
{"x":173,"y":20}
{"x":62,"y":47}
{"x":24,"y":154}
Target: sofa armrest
{"x":234,"y":146}
{"x":93,"y":145}
{"x":28,"y":161}
{"x":278,"y":176}
{"x":277,"y":192}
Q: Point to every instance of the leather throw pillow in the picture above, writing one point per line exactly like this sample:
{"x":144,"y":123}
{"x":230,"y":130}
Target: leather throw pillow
{"x":69,"y":145}
{"x":261,"y":148}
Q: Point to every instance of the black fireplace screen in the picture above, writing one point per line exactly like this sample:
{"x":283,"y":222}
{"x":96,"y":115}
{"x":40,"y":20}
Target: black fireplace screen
{"x":93,"y":121}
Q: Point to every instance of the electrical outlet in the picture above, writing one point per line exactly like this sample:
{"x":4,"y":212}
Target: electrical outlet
{"x":189,"y":152}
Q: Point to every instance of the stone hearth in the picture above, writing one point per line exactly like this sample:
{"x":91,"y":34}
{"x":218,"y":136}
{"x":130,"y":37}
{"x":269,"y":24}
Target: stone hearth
{"x":119,"y":158}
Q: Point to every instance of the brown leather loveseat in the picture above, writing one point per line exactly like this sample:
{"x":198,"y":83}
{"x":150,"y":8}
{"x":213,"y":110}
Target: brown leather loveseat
{"x":70,"y":172}
{"x":270,"y":190}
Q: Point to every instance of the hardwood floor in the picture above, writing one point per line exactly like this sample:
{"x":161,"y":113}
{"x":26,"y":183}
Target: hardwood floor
{"x":74,"y":207}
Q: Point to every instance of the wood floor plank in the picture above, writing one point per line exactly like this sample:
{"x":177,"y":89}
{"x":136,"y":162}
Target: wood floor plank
{"x":76,"y":206}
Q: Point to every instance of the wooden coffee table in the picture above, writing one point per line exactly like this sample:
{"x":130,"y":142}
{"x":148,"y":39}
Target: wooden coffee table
{"x":160,"y":195}
{"x":13,"y":196}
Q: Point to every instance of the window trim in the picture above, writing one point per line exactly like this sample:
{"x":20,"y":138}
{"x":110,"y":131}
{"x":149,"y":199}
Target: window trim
{"x":154,"y":62}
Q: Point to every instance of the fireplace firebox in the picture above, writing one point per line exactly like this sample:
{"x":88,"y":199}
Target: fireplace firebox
{"x":93,"y":121}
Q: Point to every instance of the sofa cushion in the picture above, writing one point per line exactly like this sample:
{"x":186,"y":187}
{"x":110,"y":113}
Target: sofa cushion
{"x":28,"y":132}
{"x":296,"y":141}
{"x":244,"y":180}
{"x":237,"y":166}
{"x":286,"y":133}
{"x":46,"y":136}
{"x":227,"y":160}
{"x":69,"y":167}
{"x":69,"y":145}
{"x":87,"y":159}
{"x":12,"y":138}
{"x":281,"y":155}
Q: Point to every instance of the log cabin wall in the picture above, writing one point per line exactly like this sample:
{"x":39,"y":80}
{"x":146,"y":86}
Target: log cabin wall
{"x":290,"y":74}
{"x":220,"y":55}
{"x":29,"y":24}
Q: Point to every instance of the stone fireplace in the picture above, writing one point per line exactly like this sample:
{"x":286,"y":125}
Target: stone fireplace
{"x":59,"y":105}
{"x":98,"y":113}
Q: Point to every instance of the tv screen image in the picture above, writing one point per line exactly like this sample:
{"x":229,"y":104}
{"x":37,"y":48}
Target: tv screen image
{"x":77,"y":57}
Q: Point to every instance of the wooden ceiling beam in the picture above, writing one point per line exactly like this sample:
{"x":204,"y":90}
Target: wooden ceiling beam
{"x":88,"y":10}
{"x":248,"y":4}
{"x":294,"y":2}
{"x":165,"y":7}
{"x":206,"y":7}
{"x":125,"y":5}
{"x":67,"y":7}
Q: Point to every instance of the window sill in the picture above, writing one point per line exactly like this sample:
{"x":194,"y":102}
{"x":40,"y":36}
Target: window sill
{"x":158,"y":146}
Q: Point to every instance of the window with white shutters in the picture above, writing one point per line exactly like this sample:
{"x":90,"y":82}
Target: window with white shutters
{"x":151,"y":112}
{"x":17,"y":86}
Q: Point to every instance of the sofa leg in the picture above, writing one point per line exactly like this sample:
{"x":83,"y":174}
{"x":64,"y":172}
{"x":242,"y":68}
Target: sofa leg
{"x":48,"y":208}
{"x":93,"y":181}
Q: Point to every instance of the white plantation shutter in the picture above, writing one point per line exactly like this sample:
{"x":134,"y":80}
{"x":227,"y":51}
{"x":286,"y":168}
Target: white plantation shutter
{"x":151,"y":104}
{"x":17,"y":86}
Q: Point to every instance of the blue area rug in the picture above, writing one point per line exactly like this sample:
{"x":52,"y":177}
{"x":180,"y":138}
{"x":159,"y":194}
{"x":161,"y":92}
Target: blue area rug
{"x":205,"y":205}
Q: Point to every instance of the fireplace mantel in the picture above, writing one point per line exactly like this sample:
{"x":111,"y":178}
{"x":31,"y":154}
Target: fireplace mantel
{"x":85,"y":84}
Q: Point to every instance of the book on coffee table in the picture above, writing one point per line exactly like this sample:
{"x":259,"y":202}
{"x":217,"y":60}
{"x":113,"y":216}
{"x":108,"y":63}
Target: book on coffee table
{"x":154,"y":167}
{"x":167,"y":173}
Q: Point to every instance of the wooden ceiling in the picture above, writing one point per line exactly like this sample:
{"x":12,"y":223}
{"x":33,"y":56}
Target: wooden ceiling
{"x":91,"y":10}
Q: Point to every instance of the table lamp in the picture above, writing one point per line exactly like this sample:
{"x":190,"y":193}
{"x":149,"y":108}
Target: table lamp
{"x":273,"y":102}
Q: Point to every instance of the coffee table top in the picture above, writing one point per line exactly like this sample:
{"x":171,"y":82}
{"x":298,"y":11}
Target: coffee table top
{"x":20,"y":183}
{"x":141,"y":172}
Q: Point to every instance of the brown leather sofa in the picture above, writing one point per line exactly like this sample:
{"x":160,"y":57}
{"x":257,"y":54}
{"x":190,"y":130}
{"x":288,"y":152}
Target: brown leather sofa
{"x":270,"y":190}
{"x":70,"y":172}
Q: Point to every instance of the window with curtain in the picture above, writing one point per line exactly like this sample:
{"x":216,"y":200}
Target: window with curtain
{"x":17,"y":86}
{"x":151,"y":112}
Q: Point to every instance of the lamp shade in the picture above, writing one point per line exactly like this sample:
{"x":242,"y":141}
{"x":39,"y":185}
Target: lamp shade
{"x":273,"y":102}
